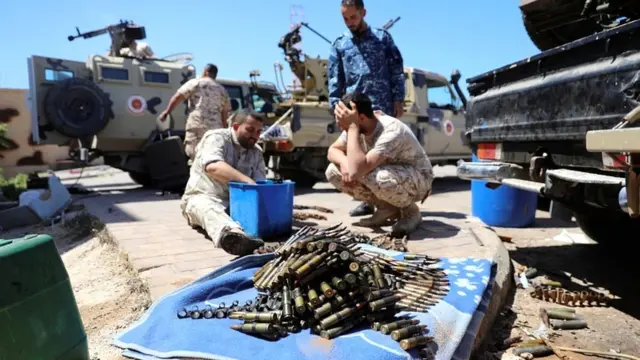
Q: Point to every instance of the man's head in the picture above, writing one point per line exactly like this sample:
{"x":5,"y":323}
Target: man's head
{"x":248,"y":126}
{"x":366,"y":117}
{"x":211,"y":71}
{"x":353,"y":13}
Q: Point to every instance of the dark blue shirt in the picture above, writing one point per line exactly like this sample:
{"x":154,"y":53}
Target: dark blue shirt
{"x":369,"y":63}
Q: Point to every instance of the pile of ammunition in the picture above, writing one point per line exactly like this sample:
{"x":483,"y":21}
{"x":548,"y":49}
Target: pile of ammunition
{"x":321,"y":280}
{"x":383,"y":241}
{"x":569,"y":298}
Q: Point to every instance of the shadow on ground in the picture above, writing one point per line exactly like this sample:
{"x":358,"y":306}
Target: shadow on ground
{"x":603,"y":266}
{"x":501,"y":329}
{"x":433,"y":229}
{"x":450,"y":184}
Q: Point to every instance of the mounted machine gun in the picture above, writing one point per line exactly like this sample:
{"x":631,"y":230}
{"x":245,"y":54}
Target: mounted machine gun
{"x":121,"y":35}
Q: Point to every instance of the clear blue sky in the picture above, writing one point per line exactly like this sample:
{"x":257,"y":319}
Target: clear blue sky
{"x":473,"y":36}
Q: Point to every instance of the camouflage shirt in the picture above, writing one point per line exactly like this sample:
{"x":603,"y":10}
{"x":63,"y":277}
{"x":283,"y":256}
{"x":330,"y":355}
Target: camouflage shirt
{"x":138,"y":50}
{"x":394,"y":140}
{"x":221,"y":145}
{"x":370,"y":63}
{"x":207,"y":100}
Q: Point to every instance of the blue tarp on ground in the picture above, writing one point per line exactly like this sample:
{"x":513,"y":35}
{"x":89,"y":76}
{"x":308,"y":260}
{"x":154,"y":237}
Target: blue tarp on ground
{"x":159,"y":334}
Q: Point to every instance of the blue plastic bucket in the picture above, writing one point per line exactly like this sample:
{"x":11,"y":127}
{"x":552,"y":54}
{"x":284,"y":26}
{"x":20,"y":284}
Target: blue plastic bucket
{"x":504,"y":206}
{"x":264,"y":210}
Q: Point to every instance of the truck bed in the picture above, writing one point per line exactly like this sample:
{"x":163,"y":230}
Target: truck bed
{"x":558,"y":95}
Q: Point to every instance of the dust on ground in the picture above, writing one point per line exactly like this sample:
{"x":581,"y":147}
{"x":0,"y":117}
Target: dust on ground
{"x":108,"y":291}
{"x":606,"y":268}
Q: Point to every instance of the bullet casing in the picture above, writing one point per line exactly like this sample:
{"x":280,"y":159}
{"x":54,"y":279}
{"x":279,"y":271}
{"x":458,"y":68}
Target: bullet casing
{"x":327,"y":290}
{"x":415,"y":341}
{"x":338,"y":283}
{"x":405,"y":332}
{"x":388,"y":328}
{"x":254,"y":328}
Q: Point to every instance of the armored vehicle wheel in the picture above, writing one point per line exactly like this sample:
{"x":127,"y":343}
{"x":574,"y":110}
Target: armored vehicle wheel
{"x":77,"y":107}
{"x":607,"y":226}
{"x":141,"y":178}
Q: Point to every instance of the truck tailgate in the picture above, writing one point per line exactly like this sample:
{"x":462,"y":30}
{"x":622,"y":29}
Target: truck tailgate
{"x":559,"y":94}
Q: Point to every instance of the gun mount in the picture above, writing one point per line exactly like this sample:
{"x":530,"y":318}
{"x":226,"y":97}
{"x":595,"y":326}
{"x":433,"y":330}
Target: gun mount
{"x":311,"y":72}
{"x":121,"y":35}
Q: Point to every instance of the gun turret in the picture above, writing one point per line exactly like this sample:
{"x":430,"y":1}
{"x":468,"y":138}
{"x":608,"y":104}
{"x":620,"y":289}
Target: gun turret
{"x":121,"y":35}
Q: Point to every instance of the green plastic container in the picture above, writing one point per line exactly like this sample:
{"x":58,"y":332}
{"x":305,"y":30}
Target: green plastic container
{"x":39,"y":317}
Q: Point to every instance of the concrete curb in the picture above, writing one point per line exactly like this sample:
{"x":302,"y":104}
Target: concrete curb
{"x":502,"y":283}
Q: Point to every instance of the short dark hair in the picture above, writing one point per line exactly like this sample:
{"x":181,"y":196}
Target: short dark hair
{"x":212,"y":70}
{"x":243,"y":115}
{"x":359,"y":4}
{"x":362,"y":101}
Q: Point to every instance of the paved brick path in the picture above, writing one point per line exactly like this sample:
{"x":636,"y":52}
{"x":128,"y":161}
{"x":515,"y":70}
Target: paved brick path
{"x":168,"y":253}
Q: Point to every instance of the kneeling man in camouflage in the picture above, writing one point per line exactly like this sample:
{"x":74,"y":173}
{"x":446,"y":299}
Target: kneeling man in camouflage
{"x":378,"y":159}
{"x":224,"y":155}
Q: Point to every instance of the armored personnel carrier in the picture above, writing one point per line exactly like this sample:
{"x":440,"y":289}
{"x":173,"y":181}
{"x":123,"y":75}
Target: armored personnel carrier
{"x":299,"y":139}
{"x":108,"y":106}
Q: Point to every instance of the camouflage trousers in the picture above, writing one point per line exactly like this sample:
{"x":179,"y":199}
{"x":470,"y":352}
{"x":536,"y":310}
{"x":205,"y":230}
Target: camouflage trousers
{"x":209,"y":214}
{"x":195,"y":129}
{"x":398,"y":185}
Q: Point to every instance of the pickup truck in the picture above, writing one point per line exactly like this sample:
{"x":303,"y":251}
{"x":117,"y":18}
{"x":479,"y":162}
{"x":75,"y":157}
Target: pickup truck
{"x":562,"y":124}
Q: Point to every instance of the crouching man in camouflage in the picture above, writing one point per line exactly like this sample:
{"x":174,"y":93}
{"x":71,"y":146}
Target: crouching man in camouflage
{"x":224,"y":155}
{"x":378,"y":159}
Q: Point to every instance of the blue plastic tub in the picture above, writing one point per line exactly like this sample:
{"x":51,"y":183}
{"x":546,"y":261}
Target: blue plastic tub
{"x":504,"y":206}
{"x":264,"y":210}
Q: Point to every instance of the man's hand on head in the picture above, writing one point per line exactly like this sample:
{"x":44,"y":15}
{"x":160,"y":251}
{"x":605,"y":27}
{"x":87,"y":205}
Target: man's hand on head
{"x":345,"y":116}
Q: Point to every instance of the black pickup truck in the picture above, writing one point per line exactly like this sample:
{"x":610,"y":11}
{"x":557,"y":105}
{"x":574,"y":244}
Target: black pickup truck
{"x":543,"y":124}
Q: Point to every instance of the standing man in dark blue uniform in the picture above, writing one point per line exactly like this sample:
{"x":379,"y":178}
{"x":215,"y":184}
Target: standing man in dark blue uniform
{"x":366,"y":60}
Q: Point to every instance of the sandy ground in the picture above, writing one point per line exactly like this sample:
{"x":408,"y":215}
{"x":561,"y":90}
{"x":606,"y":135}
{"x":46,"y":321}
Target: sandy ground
{"x":607,"y":268}
{"x":109,"y":294}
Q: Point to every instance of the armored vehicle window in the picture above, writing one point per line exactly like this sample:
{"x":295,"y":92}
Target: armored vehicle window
{"x":156,"y":77}
{"x":440,"y":96}
{"x":235,"y":95}
{"x":56,"y":75}
{"x":262,"y":102}
{"x":114,"y":73}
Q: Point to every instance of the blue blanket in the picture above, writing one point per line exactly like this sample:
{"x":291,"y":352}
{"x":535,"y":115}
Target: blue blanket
{"x":159,"y":334}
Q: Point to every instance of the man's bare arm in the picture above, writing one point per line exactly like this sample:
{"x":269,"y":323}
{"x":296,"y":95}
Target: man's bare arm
{"x":337,"y":153}
{"x":224,"y":173}
{"x":360,"y":164}
{"x":176,"y":99}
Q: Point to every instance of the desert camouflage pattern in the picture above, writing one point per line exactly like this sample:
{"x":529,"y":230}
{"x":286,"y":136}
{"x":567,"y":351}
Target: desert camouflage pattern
{"x":370,"y":63}
{"x":405,"y":176}
{"x":205,"y":200}
{"x":207,"y":101}
{"x":138,"y":49}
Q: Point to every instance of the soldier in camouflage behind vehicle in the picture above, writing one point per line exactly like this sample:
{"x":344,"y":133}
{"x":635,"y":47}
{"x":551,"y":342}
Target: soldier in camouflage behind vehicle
{"x":209,"y":107}
{"x":366,"y":60}
{"x":224,"y":155}
{"x":378,"y":159}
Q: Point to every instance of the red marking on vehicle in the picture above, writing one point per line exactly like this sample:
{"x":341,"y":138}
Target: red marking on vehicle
{"x":489,"y":151}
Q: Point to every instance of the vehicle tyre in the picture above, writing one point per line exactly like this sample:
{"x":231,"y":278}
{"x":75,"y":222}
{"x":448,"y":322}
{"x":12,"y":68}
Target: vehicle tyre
{"x":607,"y":226}
{"x":78,"y":108}
{"x":141,"y":178}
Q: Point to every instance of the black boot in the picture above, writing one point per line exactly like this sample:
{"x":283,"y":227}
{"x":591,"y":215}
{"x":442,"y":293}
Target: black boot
{"x":362,"y":209}
{"x":238,"y":243}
